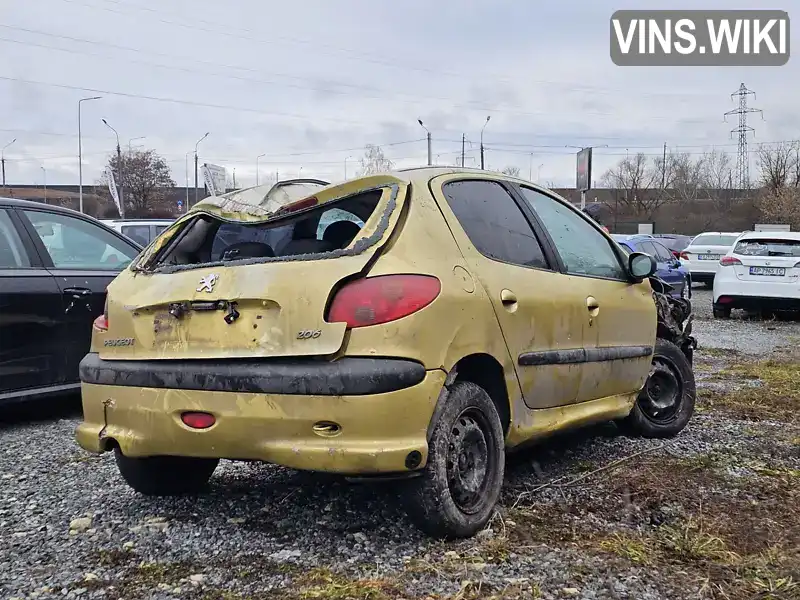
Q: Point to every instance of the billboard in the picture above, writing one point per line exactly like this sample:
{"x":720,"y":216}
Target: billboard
{"x":584,"y":171}
{"x":216,"y":179}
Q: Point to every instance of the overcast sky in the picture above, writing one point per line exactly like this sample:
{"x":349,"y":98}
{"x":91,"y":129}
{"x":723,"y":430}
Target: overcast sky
{"x":309,"y":83}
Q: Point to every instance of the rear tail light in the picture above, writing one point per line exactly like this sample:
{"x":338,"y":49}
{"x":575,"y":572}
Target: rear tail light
{"x":101,"y":322}
{"x":729,"y":261}
{"x":382,"y":299}
{"x":683,"y":255}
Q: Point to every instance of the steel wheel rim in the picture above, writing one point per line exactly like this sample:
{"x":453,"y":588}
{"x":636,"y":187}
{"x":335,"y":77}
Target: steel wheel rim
{"x":661,"y":398}
{"x":469,"y":460}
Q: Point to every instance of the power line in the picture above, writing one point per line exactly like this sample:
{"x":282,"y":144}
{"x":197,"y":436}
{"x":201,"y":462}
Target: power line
{"x":229,"y":30}
{"x":178,"y":101}
{"x":387,"y":96}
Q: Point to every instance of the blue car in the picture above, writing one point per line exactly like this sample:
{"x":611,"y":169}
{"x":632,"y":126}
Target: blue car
{"x":670,"y":268}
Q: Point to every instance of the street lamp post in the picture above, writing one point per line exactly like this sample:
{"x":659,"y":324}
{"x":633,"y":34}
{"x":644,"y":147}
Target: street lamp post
{"x":186,"y":161}
{"x":430,"y":154}
{"x":44,"y":172}
{"x":80,"y":153}
{"x":195,"y":166}
{"x":482,"y":128}
{"x":257,"y":157}
{"x":539,"y":173}
{"x":120,"y":171}
{"x":3,"y":156}
{"x":345,"y":167}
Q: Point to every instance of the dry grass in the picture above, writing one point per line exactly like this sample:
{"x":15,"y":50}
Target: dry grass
{"x":770,"y":390}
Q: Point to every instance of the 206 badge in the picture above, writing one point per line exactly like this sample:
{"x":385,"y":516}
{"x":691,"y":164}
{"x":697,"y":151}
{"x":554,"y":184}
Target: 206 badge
{"x":207,"y":283}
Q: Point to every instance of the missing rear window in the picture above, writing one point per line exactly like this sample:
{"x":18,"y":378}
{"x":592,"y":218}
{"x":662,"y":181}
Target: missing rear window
{"x":324,"y":231}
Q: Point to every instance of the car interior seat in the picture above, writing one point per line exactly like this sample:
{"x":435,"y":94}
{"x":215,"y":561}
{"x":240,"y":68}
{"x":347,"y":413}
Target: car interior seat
{"x":304,"y":240}
{"x":341,"y":233}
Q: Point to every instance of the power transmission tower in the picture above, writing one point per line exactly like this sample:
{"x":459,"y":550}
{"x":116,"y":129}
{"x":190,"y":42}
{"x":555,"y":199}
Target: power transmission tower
{"x":743,"y":159}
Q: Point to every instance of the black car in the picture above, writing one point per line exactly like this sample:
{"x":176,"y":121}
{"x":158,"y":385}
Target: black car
{"x":55,"y":264}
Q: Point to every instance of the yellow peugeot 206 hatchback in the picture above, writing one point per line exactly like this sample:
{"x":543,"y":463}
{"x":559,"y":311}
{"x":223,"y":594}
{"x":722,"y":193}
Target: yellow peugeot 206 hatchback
{"x":415,"y":324}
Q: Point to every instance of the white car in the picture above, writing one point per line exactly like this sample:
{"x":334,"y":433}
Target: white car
{"x":761,"y":273}
{"x":141,"y":231}
{"x":702,"y":255}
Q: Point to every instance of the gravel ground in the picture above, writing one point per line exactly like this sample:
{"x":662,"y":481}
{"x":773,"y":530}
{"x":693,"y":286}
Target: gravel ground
{"x":70,"y":528}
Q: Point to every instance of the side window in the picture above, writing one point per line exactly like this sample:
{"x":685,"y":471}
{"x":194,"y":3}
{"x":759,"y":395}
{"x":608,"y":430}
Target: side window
{"x":662,"y":253}
{"x":12,"y":252}
{"x":494,"y":223}
{"x":77,"y":244}
{"x":584,"y":250}
{"x":649,"y":248}
{"x":138,"y":233}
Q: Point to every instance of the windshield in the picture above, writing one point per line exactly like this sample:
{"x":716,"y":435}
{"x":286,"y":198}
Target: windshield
{"x":768,"y":247}
{"x":714,"y":240}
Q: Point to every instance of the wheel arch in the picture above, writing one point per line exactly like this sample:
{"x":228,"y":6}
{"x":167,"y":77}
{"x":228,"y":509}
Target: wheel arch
{"x":483,"y":370}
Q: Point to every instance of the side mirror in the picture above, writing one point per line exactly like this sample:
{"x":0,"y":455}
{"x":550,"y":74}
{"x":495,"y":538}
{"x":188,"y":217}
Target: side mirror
{"x":641,"y":265}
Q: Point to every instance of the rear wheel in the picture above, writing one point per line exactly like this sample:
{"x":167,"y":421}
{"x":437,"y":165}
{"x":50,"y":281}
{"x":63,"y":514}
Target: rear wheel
{"x":460,"y":485}
{"x":722,"y":312}
{"x":165,"y":475}
{"x":666,"y":403}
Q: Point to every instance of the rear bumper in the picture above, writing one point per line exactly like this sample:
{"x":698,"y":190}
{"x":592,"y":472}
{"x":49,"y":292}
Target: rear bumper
{"x":376,"y":432}
{"x":344,"y":377}
{"x":734,"y":293}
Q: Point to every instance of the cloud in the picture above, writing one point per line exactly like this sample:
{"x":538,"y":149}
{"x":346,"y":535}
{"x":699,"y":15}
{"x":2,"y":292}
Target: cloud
{"x":310,"y":83}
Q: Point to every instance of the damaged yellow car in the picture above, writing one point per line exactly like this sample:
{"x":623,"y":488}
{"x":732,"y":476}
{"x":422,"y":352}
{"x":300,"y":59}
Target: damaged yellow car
{"x":416,"y":323}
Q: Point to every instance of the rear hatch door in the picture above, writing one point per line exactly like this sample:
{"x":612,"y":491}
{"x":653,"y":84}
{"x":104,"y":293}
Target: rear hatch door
{"x":244,"y":303}
{"x":768,"y":260}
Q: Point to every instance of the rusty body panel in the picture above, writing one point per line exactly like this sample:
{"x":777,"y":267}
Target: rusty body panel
{"x":412,"y":231}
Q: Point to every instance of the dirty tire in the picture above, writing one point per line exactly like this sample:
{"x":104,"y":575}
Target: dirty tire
{"x":666,"y":403}
{"x":165,"y":475}
{"x":460,"y":485}
{"x":721,"y":312}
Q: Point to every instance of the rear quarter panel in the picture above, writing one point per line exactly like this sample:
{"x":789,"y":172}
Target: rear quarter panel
{"x":459,"y":323}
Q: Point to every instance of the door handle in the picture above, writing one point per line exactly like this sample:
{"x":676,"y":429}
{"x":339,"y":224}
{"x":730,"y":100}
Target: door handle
{"x":78,"y":292}
{"x":508,"y":297}
{"x":80,"y":295}
{"x":592,"y":305}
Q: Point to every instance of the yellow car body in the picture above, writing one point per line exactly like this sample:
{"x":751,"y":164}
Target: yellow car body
{"x":285,"y":384}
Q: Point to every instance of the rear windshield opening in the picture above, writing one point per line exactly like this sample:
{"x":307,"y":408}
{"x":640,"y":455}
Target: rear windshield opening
{"x":768,"y":247}
{"x":326,"y":228}
{"x":714,"y":240}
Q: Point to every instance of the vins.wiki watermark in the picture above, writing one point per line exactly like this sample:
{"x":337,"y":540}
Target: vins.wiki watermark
{"x":744,"y":38}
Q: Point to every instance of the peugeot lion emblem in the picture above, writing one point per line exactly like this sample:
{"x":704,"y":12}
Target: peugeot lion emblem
{"x":207,"y":283}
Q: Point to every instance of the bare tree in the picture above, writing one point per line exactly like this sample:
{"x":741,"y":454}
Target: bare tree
{"x":779,"y":165}
{"x":781,"y":206}
{"x":637,"y":183}
{"x":374,"y":161}
{"x":511,"y":171}
{"x":146,"y":178}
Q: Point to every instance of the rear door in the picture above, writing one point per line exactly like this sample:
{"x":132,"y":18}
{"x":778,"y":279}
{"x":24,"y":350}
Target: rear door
{"x":619,"y":318}
{"x":31,"y":319}
{"x":84,"y":258}
{"x":539,"y":309}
